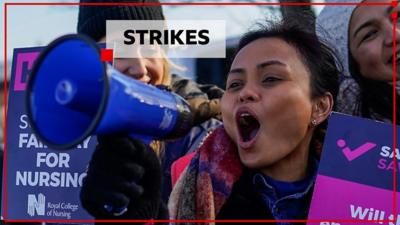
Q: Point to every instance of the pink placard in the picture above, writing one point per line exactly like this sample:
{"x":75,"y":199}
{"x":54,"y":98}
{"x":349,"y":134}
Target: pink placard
{"x":30,"y":57}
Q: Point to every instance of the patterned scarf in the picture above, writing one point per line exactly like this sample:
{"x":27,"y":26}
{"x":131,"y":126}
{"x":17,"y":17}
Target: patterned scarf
{"x":207,"y":182}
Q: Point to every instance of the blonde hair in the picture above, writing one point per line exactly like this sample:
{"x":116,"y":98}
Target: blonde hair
{"x":167,"y":78}
{"x":168,"y":64}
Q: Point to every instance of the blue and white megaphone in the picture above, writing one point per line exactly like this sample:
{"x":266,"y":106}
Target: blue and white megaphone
{"x":72,"y":94}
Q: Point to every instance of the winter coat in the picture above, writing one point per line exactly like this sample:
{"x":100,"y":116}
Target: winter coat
{"x":204,"y":101}
{"x":216,"y":186}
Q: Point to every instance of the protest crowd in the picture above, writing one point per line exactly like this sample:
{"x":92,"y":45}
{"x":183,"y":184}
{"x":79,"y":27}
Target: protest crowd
{"x":254,"y":148}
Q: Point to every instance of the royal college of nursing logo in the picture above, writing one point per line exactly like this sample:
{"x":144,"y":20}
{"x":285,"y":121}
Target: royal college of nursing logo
{"x":36,"y":204}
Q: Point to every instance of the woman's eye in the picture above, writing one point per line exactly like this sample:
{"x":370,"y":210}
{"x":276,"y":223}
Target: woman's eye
{"x":369,"y":35}
{"x":233,"y":85}
{"x":271,"y":79}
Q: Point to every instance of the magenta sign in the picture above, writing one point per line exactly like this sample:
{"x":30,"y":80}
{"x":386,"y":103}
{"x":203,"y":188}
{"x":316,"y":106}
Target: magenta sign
{"x":355,"y":176}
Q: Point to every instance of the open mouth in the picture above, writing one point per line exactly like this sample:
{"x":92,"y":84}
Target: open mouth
{"x":248,"y":125}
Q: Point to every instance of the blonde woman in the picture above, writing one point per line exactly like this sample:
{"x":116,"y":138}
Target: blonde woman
{"x":204,"y":99}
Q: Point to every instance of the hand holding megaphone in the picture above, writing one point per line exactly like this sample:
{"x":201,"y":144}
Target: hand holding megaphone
{"x":124,"y":183}
{"x":72,"y":94}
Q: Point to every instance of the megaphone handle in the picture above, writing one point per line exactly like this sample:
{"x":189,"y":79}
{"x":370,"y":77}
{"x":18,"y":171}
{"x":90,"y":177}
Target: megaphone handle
{"x":145,"y":139}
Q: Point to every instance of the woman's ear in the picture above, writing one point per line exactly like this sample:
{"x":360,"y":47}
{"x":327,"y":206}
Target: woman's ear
{"x":322,"y":108}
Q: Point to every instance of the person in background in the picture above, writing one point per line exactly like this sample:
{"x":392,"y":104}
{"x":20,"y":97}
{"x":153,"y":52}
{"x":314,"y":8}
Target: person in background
{"x":363,"y":39}
{"x":262,"y":163}
{"x":203,"y":99}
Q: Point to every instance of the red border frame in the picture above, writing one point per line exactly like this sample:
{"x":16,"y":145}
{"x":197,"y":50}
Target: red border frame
{"x":394,"y":18}
{"x":394,"y":3}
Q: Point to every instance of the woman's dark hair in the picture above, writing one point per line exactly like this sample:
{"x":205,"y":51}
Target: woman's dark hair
{"x":320,"y":60}
{"x":375,"y":96}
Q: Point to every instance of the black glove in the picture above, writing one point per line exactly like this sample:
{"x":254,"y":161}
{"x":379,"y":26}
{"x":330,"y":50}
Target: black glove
{"x":123,"y":181}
